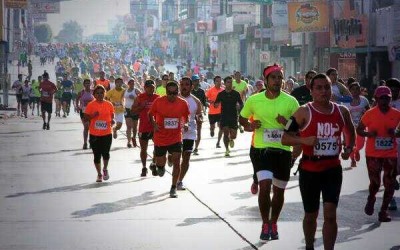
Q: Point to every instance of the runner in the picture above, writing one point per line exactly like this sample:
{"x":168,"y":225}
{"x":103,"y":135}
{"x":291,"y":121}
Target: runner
{"x":142,"y":106}
{"x":116,"y":97}
{"x":103,"y":81}
{"x":67,"y":87}
{"x":161,"y":90}
{"x":189,"y":136}
{"x":35,"y":97}
{"x":228,"y":99}
{"x":302,"y":93}
{"x":17,"y":87}
{"x":47,"y":90}
{"x":131,"y":118}
{"x":26,"y":91}
{"x":320,"y":124}
{"x":339,"y":91}
{"x":84,"y":97}
{"x":271,"y":160}
{"x":100,"y":114}
{"x":394,"y":85}
{"x":380,"y":125}
{"x":357,"y":108}
{"x":166,"y":115}
{"x":214,"y":113}
{"x":240,"y":86}
{"x":201,"y":95}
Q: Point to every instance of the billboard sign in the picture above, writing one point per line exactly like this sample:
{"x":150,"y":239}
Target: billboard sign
{"x":16,"y":4}
{"x":308,"y":16}
{"x":46,"y":7}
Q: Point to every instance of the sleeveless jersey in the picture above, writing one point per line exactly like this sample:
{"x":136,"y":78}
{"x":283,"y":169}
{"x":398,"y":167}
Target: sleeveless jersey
{"x":191,"y":134}
{"x":129,"y":101}
{"x":328,"y":129}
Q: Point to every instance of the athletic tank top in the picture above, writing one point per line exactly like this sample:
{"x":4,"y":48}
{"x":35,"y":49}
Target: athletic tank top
{"x":191,"y":134}
{"x":328,"y":129}
{"x":129,"y":101}
{"x":86,"y":97}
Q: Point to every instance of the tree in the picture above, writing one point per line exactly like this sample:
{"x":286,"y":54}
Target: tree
{"x":70,"y":32}
{"x":43,"y":33}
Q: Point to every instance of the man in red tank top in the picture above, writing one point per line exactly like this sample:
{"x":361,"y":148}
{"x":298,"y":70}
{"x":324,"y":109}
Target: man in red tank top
{"x":320,"y":125}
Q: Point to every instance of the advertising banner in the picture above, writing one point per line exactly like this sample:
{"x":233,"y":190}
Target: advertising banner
{"x":308,"y":16}
{"x":16,"y":4}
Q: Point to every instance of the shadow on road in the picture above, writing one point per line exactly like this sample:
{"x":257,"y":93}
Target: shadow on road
{"x":144,"y":199}
{"x":77,"y":187}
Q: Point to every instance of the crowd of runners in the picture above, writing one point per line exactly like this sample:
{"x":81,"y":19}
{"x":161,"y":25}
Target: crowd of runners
{"x":315,"y":124}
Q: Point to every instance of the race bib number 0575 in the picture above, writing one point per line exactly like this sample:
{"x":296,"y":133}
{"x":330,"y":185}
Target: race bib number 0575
{"x":326,"y":146}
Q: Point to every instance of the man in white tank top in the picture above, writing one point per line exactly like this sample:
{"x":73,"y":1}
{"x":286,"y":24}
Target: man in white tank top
{"x":189,"y":137}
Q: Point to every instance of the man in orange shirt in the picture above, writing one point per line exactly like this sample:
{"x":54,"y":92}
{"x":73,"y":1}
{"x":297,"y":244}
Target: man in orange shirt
{"x":102,"y":81}
{"x":380,"y":126}
{"x":214,"y":113}
{"x":166,"y":115}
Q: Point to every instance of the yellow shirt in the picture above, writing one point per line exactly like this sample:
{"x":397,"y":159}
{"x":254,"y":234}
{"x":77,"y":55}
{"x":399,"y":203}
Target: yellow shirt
{"x":116,"y":97}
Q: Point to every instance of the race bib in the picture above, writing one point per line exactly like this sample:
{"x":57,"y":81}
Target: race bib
{"x":100,"y":125}
{"x":384,"y":143}
{"x":45,"y":94}
{"x":171,"y":123}
{"x":326,"y":146}
{"x":273,"y":135}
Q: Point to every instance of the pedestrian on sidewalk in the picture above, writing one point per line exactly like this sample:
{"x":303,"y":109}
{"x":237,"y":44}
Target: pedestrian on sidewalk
{"x":316,"y":129}
{"x":100,"y":113}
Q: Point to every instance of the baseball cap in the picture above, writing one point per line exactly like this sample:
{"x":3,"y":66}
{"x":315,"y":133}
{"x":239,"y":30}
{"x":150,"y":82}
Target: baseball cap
{"x":382,"y":91}
{"x":195,"y":77}
{"x":148,"y":83}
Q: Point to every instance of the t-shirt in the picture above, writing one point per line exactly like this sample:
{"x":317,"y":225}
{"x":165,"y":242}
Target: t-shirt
{"x":168,"y":116}
{"x":240,"y":87}
{"x":211,"y":95}
{"x":47,"y":90}
{"x":67,"y":86}
{"x":100,"y":125}
{"x":302,"y":94}
{"x":383,"y":145}
{"x":356,"y":111}
{"x":201,"y":95}
{"x":35,"y":89}
{"x":144,"y":122}
{"x":161,"y":90}
{"x":228,"y":101}
{"x":105,"y":83}
{"x":259,"y":107}
{"x":116,"y":97}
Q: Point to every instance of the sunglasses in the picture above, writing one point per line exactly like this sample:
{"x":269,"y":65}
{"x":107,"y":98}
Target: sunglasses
{"x":172,"y":93}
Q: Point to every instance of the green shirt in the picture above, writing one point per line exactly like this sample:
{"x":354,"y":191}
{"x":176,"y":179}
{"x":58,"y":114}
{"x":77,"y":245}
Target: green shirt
{"x":259,"y":107}
{"x":161,"y":90}
{"x":35,"y":88}
{"x":239,"y":87}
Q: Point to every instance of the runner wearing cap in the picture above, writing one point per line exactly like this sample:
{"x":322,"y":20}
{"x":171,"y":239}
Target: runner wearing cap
{"x":380,"y":126}
{"x":201,"y":95}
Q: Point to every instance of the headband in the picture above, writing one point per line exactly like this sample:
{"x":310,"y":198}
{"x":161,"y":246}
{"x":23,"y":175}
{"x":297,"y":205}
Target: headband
{"x":271,"y":69}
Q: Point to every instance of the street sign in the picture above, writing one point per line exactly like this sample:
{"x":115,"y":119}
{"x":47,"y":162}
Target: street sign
{"x":16,"y":4}
{"x":46,"y":7}
{"x":264,"y":56}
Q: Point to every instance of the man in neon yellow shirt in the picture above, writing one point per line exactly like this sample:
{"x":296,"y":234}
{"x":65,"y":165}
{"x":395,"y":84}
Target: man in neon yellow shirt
{"x":161,"y":90}
{"x":35,"y":97}
{"x":240,"y":85}
{"x":269,"y":112}
{"x":116,"y":97}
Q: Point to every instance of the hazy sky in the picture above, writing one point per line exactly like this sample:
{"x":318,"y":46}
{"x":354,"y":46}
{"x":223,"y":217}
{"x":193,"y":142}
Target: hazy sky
{"x":92,"y":15}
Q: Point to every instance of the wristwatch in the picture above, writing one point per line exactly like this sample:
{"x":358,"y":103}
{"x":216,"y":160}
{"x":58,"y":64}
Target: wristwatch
{"x":347,"y":150}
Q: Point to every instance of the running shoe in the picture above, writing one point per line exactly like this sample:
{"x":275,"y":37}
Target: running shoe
{"x":64,"y":116}
{"x":265,"y":235}
{"x":44,"y":125}
{"x":134,"y":143}
{"x":99,"y":178}
{"x":144,"y":172}
{"x":129,"y":145}
{"x":369,"y":207}
{"x":153,"y":169}
{"x":227,"y":153}
{"x":106,"y":176}
{"x":274,"y":231}
{"x":241,"y":129}
{"x":48,"y":126}
{"x":195,"y":151}
{"x":212,"y":133}
{"x":160,"y":171}
{"x":180,"y":186}
{"x":254,"y":188}
{"x":84,"y":146}
{"x":384,"y":217}
{"x":218,"y":146}
{"x":115,"y":134}
{"x":172,"y":193}
{"x":231,"y":143}
{"x":393,"y":205}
